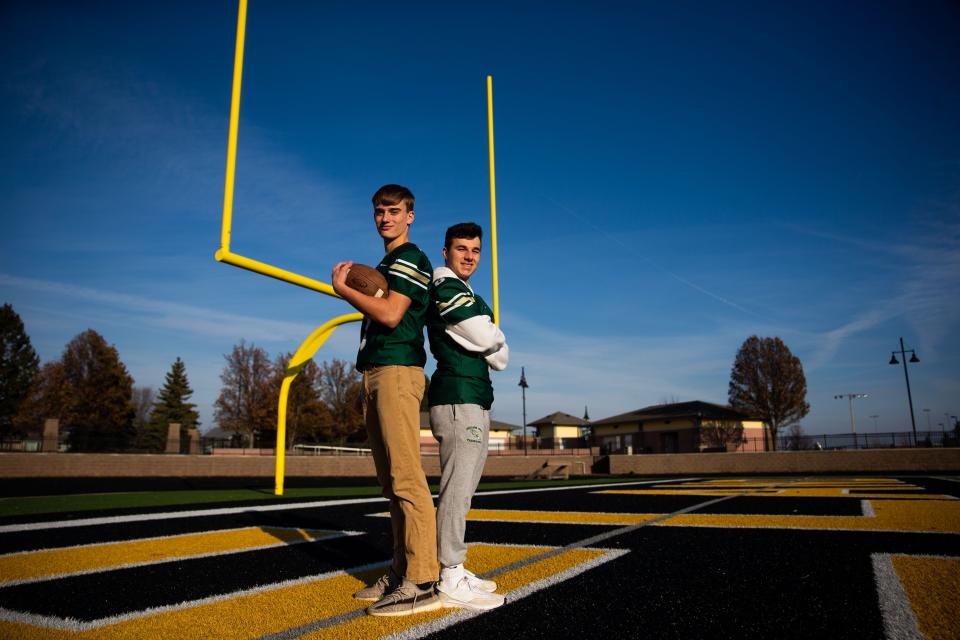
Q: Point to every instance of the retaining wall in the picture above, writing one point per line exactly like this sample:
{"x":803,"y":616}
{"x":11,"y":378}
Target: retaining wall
{"x":75,"y":465}
{"x":118,"y":465}
{"x":775,"y":462}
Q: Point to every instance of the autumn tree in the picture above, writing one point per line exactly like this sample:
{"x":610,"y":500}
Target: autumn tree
{"x":767,"y":382}
{"x":19,"y":365}
{"x":722,"y":434}
{"x":43,"y":400}
{"x":796,"y":439}
{"x":246,"y":398}
{"x":97,"y":395}
{"x":339,"y":386}
{"x":307,"y":415}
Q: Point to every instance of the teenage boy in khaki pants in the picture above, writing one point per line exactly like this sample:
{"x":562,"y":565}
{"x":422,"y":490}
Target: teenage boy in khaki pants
{"x":391,"y":358}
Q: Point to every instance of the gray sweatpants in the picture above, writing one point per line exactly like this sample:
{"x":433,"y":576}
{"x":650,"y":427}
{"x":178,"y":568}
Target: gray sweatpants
{"x":463,"y":431}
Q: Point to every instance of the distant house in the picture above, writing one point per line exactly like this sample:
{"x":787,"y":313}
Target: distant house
{"x":501,"y":435}
{"x":682,"y":427}
{"x":560,"y":431}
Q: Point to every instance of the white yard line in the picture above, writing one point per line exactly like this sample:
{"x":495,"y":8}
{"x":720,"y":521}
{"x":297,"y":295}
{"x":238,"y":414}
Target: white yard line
{"x":225,"y":511}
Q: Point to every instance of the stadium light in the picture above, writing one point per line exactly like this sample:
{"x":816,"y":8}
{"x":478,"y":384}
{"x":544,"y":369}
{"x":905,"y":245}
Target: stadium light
{"x":853,"y":423}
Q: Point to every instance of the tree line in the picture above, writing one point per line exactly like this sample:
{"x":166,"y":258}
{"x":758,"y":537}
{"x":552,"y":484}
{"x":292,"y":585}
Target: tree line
{"x":91,"y":392}
{"x":323,"y":404}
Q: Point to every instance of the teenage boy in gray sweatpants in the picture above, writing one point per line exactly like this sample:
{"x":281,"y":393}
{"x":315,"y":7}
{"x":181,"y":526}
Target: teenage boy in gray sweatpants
{"x":466,"y":344}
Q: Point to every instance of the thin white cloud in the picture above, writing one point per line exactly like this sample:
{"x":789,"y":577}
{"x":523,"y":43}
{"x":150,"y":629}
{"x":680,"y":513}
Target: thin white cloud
{"x":188,"y":319}
{"x":617,"y":240}
{"x":611,"y":374}
{"x":926,"y":291}
{"x":172,"y":144}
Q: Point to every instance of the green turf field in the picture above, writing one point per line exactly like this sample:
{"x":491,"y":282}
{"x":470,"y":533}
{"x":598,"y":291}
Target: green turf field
{"x":72,"y":503}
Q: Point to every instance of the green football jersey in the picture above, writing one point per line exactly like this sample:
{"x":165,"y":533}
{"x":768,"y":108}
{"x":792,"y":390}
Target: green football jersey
{"x":407,"y":271}
{"x":462,"y":376}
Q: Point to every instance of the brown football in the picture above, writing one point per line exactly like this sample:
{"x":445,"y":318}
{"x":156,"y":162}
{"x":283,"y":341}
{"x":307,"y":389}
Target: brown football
{"x":367,"y":280}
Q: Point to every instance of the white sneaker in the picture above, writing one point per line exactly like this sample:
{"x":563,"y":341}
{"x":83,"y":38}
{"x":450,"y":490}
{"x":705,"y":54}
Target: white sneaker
{"x":479,"y":583}
{"x":465,"y":596}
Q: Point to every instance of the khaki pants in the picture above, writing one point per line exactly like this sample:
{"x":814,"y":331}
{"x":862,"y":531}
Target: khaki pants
{"x":392,"y":396}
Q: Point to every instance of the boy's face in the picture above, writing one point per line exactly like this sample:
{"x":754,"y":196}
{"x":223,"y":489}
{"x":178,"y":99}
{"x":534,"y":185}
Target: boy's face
{"x":392,"y":220}
{"x":463,"y":256}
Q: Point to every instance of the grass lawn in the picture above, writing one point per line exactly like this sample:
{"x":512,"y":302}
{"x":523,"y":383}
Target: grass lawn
{"x":32,"y":505}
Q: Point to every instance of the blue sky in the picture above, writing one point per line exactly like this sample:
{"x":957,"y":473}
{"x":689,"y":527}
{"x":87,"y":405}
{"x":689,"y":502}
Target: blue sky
{"x":671,"y":179}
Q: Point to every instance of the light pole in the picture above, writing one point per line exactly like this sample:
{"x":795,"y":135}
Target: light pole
{"x":523,"y":390}
{"x":853,"y":423}
{"x":913,"y":359}
{"x":875,"y":429}
{"x":927,"y":411}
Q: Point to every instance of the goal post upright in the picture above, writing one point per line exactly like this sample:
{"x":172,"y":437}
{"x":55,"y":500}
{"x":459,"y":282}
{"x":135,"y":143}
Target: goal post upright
{"x":493,"y":204}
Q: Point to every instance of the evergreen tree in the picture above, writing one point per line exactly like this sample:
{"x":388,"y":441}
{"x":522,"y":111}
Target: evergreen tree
{"x":97,"y":395}
{"x":171,"y":406}
{"x":19,"y":365}
{"x":767,"y":382}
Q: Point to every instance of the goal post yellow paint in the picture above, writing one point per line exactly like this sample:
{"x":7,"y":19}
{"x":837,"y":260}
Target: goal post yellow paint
{"x":493,"y":204}
{"x":316,"y":339}
{"x":224,"y":254}
{"x":306,"y":351}
{"x":234,"y":127}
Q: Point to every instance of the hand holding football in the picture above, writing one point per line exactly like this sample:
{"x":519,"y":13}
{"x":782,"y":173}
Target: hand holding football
{"x":367,"y":280}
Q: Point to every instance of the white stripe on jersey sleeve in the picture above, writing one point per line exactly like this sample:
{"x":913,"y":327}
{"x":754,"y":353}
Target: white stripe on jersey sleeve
{"x":409,"y":279}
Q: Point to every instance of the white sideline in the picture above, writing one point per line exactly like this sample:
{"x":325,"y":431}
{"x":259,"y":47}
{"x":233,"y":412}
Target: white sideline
{"x":225,"y":511}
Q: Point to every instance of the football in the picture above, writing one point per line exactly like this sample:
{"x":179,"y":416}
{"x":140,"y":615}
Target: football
{"x":367,"y":280}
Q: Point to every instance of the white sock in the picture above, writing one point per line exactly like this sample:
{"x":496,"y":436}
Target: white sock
{"x":452,"y":575}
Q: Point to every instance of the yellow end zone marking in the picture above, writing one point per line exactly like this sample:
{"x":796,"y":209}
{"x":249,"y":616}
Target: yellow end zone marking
{"x":277,"y":608}
{"x":860,"y":494}
{"x":932,"y":585}
{"x":560,"y":517}
{"x":918,"y":595}
{"x":889,"y":515}
{"x":859,"y":488}
{"x":30,"y":566}
{"x":482,"y":558}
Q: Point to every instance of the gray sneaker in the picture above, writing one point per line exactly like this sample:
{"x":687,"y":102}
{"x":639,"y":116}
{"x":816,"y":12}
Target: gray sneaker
{"x":406,"y":599}
{"x":384,"y":585}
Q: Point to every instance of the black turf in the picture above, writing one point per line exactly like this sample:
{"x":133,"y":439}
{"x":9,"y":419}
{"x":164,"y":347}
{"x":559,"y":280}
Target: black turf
{"x":675,"y":582}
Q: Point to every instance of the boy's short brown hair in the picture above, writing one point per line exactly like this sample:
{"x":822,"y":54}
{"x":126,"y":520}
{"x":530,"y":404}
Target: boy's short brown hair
{"x":390,"y":194}
{"x":464,"y":230}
